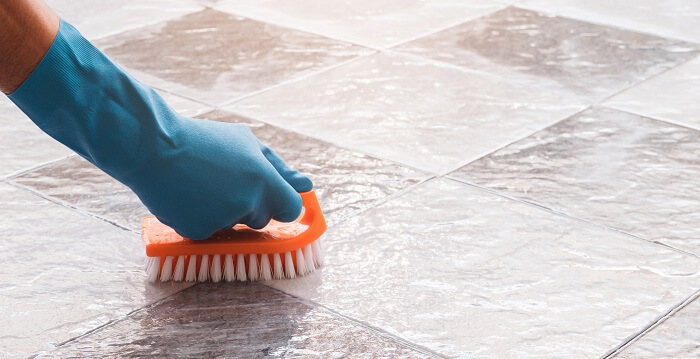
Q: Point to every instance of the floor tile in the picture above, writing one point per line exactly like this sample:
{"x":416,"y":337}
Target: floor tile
{"x":63,"y":273}
{"x":413,"y":112}
{"x":369,"y":23}
{"x":345,"y":181}
{"x":669,"y":96}
{"x":234,"y":320}
{"x":670,"y":18}
{"x":22,"y":143}
{"x":633,"y":173}
{"x":467,"y":273}
{"x":214,"y":56}
{"x":677,"y":337}
{"x":100,"y":19}
{"x":576,"y":58}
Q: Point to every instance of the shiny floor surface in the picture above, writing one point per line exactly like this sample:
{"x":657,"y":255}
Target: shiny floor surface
{"x":501,"y":179}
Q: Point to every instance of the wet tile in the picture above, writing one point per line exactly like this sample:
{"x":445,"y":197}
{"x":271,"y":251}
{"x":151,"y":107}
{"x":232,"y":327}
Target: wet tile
{"x":345,"y":181}
{"x":63,"y":273}
{"x":100,"y":19}
{"x":467,"y":273}
{"x":406,"y":110}
{"x":369,"y":23}
{"x":214,"y":56}
{"x":669,"y":18}
{"x":576,"y":58}
{"x":633,"y":173}
{"x":234,"y":320}
{"x":22,"y":143}
{"x":670,"y":96}
{"x":677,"y":337}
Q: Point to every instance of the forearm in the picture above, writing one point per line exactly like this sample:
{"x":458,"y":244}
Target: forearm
{"x":27,"y":29}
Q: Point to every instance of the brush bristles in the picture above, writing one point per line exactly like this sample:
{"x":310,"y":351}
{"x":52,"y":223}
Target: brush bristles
{"x":233,"y":267}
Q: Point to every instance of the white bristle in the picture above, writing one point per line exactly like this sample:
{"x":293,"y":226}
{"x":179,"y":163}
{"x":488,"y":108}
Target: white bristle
{"x":167,"y":271}
{"x":240,"y":268}
{"x":153,"y":269}
{"x":253,"y":270}
{"x":301,"y":263}
{"x":229,"y":269}
{"x":318,"y":253}
{"x":265,"y":268}
{"x":191,"y":275}
{"x":309,"y":259}
{"x":204,"y":268}
{"x":289,"y":265}
{"x":277,"y":262}
{"x":179,"y":269}
{"x":216,"y":268}
{"x":149,"y":261}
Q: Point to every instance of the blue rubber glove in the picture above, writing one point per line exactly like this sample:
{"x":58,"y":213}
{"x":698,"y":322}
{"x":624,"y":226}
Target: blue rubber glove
{"x":196,"y":176}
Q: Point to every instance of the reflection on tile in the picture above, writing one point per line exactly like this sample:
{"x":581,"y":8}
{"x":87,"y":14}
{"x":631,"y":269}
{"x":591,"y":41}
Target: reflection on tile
{"x":677,"y":337}
{"x":409,"y":111}
{"x":345,"y":181}
{"x":672,"y":96}
{"x":613,"y":168}
{"x":370,"y":23}
{"x":63,"y":273}
{"x":81,"y":184}
{"x":99,"y":19}
{"x":234,"y":320}
{"x":467,"y":273}
{"x":574,"y":57}
{"x":671,"y":18}
{"x":213,"y":56}
{"x":22,"y":143}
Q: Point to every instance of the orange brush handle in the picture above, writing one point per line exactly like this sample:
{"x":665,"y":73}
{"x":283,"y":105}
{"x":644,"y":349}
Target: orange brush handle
{"x":276,"y":237}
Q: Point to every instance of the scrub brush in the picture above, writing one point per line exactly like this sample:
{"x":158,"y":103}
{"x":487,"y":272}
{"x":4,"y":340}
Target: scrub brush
{"x":280,"y":250}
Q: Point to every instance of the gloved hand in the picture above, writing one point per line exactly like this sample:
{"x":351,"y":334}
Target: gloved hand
{"x":196,"y":176}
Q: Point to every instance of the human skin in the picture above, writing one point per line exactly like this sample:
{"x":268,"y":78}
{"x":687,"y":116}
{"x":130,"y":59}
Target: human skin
{"x":27,"y":30}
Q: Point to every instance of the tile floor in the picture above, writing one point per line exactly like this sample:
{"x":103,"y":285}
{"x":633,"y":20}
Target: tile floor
{"x":502,"y":179}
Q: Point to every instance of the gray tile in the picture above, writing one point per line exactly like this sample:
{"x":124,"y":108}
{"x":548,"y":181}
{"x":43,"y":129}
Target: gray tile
{"x":410,"y":111}
{"x":577,"y":58}
{"x":613,"y":168}
{"x":671,"y":96}
{"x":676,"y":337}
{"x":470,"y":274}
{"x":234,"y":320}
{"x":99,"y":19}
{"x":670,"y":18}
{"x":345,"y":181}
{"x":64,"y":273}
{"x":22,"y":144}
{"x":370,"y":23}
{"x":213,"y":56}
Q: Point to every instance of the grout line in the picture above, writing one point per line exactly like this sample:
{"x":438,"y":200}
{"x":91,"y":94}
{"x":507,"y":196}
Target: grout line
{"x":561,"y":14}
{"x":295,"y":79}
{"x":369,"y":327}
{"x":651,"y":117}
{"x":569,"y":216}
{"x":68,"y":205}
{"x":36,"y":167}
{"x":658,"y":321}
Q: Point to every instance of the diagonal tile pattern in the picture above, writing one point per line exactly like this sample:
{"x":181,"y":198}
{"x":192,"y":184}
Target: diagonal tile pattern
{"x":609,"y":167}
{"x":369,"y":23}
{"x":396,"y":107}
{"x":213,"y":56}
{"x":676,"y":337}
{"x":64,"y":273}
{"x":573,"y":57}
{"x":234,"y":320}
{"x":494,"y":278}
{"x":678,"y":102}
{"x":671,"y":18}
